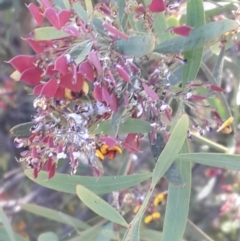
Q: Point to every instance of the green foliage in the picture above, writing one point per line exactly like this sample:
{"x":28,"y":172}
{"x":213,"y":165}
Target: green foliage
{"x":99,"y":206}
{"x":126,"y":126}
{"x":67,"y":183}
{"x":204,"y":35}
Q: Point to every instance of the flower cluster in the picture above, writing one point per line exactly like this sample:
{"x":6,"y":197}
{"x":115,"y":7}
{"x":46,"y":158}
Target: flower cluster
{"x":82,"y":77}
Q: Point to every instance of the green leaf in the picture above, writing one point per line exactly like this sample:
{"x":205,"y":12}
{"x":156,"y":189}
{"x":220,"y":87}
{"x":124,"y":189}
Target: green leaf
{"x":171,"y":149}
{"x":160,"y":28}
{"x":218,"y":67}
{"x":67,"y":183}
{"x":59,"y":3}
{"x":48,"y":236}
{"x":133,"y":233}
{"x":4,"y":235}
{"x":99,"y":206}
{"x":98,"y":24}
{"x":126,"y":126}
{"x":136,"y":45}
{"x":108,"y":233}
{"x":121,"y":4}
{"x":48,"y":33}
{"x":178,"y":204}
{"x":150,"y":235}
{"x":77,"y":7}
{"x":54,"y":215}
{"x":172,"y":174}
{"x":115,"y":121}
{"x":195,"y":18}
{"x":89,"y":234}
{"x":7,"y":226}
{"x":199,"y":36}
{"x":172,"y":21}
{"x":89,"y":6}
{"x":230,"y":162}
{"x":81,"y":57}
{"x":22,"y":130}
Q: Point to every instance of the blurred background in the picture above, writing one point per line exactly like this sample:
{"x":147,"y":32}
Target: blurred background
{"x":215,"y":201}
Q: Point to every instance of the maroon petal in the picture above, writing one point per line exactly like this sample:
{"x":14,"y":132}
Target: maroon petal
{"x":106,"y":95}
{"x":61,"y":64}
{"x":31,"y":76}
{"x":50,"y":71}
{"x":49,"y":89}
{"x":37,"y":89}
{"x":111,"y":142}
{"x":49,"y":163}
{"x":46,"y":3}
{"x":52,"y":17}
{"x":216,"y":88}
{"x":96,"y":172}
{"x":157,"y":6}
{"x":35,"y":172}
{"x":74,"y":70}
{"x":52,"y":170}
{"x":123,"y":74}
{"x":131,"y":142}
{"x":94,"y":59}
{"x":60,"y":93}
{"x":67,"y":82}
{"x":72,"y":30}
{"x":39,"y":46}
{"x":113,"y":102}
{"x":150,"y":92}
{"x":50,"y":142}
{"x":97,"y":93}
{"x":63,"y":17}
{"x":168,"y":114}
{"x":182,"y":30}
{"x":110,"y":76}
{"x":86,"y":69}
{"x":22,"y":62}
{"x":36,"y":13}
{"x":115,"y":31}
{"x":34,"y":152}
{"x":198,"y":97}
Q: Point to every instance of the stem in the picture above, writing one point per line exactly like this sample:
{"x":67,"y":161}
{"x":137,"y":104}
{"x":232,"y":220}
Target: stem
{"x":210,"y":143}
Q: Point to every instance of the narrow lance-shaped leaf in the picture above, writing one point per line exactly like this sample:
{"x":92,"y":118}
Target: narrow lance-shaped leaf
{"x":4,"y":220}
{"x":178,"y":203}
{"x":199,"y":36}
{"x":67,"y":183}
{"x":99,"y":206}
{"x":48,"y":236}
{"x":172,"y":174}
{"x":195,"y":18}
{"x":4,"y":235}
{"x":136,"y":45}
{"x":54,"y":215}
{"x":171,"y":149}
{"x":89,"y":234}
{"x":48,"y":33}
{"x":22,"y":130}
{"x":229,"y":162}
{"x":218,"y":67}
{"x":77,"y":7}
{"x":122,"y":126}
